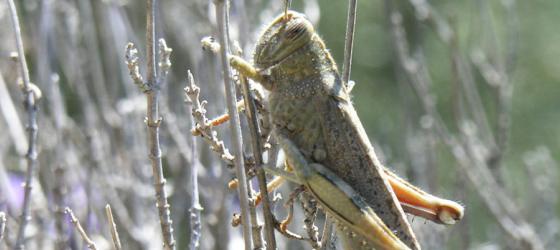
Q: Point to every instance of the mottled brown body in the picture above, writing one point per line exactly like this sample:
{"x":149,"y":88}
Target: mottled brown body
{"x":310,"y":107}
{"x":313,"y":109}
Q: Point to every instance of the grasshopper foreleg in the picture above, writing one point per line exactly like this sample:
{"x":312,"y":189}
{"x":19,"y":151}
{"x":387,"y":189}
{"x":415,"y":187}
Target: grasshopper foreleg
{"x":246,"y":69}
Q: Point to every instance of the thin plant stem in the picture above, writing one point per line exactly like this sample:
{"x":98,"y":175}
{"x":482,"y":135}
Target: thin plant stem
{"x":113,"y":226}
{"x":90,"y":244}
{"x":194,"y":210}
{"x":256,"y":145}
{"x":256,"y":228}
{"x":31,"y":95}
{"x":349,"y":41}
{"x":152,"y":88}
{"x":196,"y":227}
{"x":327,"y":233}
{"x":153,"y":121}
{"x":235,"y":126}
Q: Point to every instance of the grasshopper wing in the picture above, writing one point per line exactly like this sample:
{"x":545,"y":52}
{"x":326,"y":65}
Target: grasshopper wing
{"x":350,"y":155}
{"x":323,"y":125}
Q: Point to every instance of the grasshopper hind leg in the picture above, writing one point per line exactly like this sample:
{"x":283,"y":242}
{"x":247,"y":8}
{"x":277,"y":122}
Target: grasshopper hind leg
{"x":361,"y":227}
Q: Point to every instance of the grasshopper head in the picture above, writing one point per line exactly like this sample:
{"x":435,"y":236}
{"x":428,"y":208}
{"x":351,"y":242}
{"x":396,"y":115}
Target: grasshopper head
{"x":281,"y":38}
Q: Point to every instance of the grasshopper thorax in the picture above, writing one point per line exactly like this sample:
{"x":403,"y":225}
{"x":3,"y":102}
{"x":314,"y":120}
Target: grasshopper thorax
{"x":285,"y":35}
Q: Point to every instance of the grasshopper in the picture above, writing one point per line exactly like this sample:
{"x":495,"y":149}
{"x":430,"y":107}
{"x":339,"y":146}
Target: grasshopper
{"x":326,"y":145}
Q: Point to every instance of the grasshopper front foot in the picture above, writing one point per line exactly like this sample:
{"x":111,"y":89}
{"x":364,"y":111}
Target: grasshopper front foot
{"x":246,"y":69}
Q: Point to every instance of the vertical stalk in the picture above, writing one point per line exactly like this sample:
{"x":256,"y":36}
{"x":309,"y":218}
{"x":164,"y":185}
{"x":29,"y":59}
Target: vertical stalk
{"x":153,"y":121}
{"x":31,"y":95}
{"x":234,"y":125}
{"x":89,"y":243}
{"x":195,"y":201}
{"x":349,"y":41}
{"x":326,"y":238}
{"x":256,"y":145}
{"x":113,"y":227}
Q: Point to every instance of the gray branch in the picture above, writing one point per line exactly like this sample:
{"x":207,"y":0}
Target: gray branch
{"x":257,"y":147}
{"x":235,"y":126}
{"x":31,"y":95}
{"x":196,"y":208}
{"x":327,"y":238}
{"x":90,"y":244}
{"x":113,"y":227}
{"x":152,"y":88}
{"x":153,"y":121}
{"x":203,"y":125}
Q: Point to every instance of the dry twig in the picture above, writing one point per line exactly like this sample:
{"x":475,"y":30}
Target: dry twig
{"x":235,"y":127}
{"x":328,"y":238}
{"x":196,"y":208}
{"x":80,"y":229}
{"x":349,"y":41}
{"x":113,"y":227}
{"x":152,"y":88}
{"x":203,"y":125}
{"x":31,"y":94}
{"x":257,"y":147}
